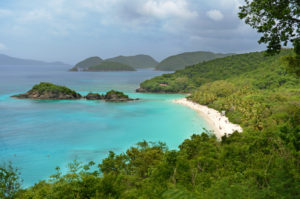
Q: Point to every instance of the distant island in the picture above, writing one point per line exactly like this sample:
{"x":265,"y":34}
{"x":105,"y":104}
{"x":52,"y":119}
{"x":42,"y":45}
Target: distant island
{"x":49,"y":91}
{"x":131,"y":63}
{"x":120,"y":63}
{"x":109,"y":66}
{"x":137,"y":61}
{"x":86,"y":63}
{"x":180,"y":61}
{"x":6,"y":60}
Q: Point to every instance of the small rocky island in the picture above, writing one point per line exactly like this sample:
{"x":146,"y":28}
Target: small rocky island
{"x":49,"y":91}
{"x":110,"y":96}
{"x":45,"y":90}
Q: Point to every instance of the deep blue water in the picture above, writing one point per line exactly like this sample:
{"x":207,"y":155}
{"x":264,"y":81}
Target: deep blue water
{"x":36,"y":136}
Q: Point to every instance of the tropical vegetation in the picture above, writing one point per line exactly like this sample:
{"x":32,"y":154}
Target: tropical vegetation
{"x":49,"y":87}
{"x":180,"y":61}
{"x":192,"y":77}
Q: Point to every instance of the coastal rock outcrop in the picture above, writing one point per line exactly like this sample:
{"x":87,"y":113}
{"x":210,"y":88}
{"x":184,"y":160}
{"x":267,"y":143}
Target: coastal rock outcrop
{"x":141,"y":90}
{"x":49,"y":91}
{"x":94,"y":96}
{"x":116,"y":96}
{"x":46,"y":90}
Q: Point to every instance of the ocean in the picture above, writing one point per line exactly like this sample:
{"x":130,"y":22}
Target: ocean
{"x":37,"y":136}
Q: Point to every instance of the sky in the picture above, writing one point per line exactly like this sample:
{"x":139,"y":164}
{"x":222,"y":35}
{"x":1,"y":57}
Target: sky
{"x":71,"y":30}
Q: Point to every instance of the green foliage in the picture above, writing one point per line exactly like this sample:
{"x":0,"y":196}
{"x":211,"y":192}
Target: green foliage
{"x":10,"y":182}
{"x":279,"y":23}
{"x":137,"y":61}
{"x":180,"y":61}
{"x":247,"y":165}
{"x":277,"y":20}
{"x":49,"y":87}
{"x":110,"y":66}
{"x":190,"y":78}
{"x":113,"y":93}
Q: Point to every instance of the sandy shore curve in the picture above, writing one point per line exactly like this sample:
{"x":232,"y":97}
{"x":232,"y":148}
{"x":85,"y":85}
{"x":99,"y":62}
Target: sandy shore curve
{"x":219,"y":123}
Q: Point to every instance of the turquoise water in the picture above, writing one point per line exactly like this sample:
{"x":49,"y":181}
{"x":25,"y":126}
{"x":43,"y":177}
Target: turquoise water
{"x":36,"y":136}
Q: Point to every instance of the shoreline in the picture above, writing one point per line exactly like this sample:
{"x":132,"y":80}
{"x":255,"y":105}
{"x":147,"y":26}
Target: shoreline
{"x":219,"y":123}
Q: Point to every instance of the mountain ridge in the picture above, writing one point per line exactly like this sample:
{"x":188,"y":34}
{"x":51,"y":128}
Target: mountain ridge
{"x":180,"y":61}
{"x":6,"y":60}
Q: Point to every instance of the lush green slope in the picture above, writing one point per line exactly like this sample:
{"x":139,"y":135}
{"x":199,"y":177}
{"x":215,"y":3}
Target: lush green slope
{"x":180,"y":61}
{"x":262,"y":162}
{"x":137,"y":61}
{"x":110,"y":66}
{"x":192,"y":77}
{"x":91,"y":61}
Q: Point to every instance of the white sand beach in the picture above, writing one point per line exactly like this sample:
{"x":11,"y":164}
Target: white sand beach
{"x":219,"y":123}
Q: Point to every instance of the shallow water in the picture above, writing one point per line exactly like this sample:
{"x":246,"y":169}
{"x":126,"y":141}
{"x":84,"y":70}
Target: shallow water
{"x":36,"y":136}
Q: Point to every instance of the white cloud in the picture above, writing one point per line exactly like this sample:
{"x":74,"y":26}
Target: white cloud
{"x":215,"y":15}
{"x":35,"y":15}
{"x":169,"y":8}
{"x":2,"y":46}
{"x":5,"y":13}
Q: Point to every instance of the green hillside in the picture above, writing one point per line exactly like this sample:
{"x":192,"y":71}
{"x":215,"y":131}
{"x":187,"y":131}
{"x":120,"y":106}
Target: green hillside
{"x":91,"y":61}
{"x":109,"y":66}
{"x":192,"y":77}
{"x":180,"y":61}
{"x":137,"y":61}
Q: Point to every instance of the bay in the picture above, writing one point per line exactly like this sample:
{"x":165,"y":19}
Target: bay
{"x":36,"y":136}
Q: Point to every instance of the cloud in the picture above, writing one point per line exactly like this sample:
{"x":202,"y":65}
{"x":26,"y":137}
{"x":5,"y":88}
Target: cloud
{"x":5,"y":12}
{"x":169,"y":8}
{"x":37,"y":15}
{"x":2,"y":46}
{"x":160,"y":26}
{"x":215,"y":15}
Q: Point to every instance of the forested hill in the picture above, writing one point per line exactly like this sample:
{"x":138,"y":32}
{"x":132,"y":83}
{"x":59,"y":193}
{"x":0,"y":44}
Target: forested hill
{"x":137,"y":61}
{"x":190,"y":78}
{"x":109,"y":66}
{"x":86,"y":63}
{"x":180,"y":61}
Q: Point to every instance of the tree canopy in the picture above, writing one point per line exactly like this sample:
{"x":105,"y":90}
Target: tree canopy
{"x":279,"y":21}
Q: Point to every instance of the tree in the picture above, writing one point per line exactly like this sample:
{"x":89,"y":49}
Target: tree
{"x":9,"y":182}
{"x":279,"y":21}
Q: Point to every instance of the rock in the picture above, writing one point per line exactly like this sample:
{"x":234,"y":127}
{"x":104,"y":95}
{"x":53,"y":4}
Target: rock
{"x":116,"y":96}
{"x":140,"y":90}
{"x":94,"y":96}
{"x":44,"y":91}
